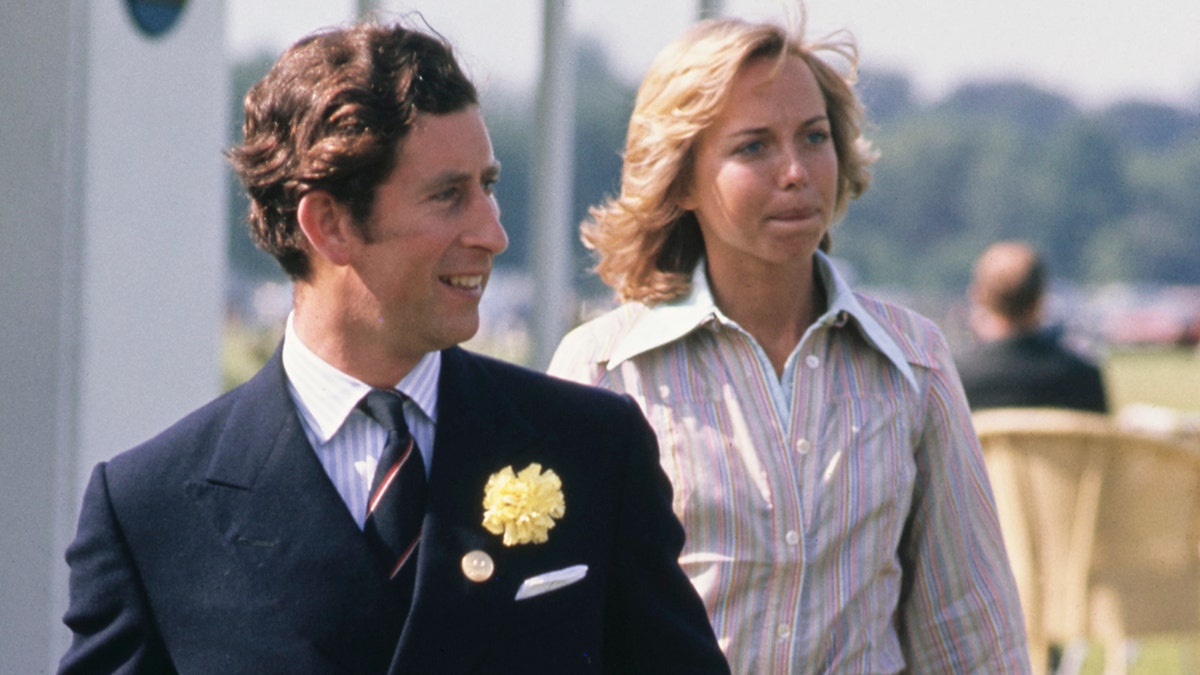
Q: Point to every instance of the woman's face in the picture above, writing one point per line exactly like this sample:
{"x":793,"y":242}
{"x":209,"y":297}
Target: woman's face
{"x":764,"y":181}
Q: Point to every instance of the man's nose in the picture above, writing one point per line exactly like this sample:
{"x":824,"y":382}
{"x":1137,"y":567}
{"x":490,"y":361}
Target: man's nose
{"x":486,"y":231}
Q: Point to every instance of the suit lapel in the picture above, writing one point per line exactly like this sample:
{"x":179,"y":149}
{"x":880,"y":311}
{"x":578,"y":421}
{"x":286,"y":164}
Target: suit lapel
{"x":264,"y":474}
{"x":479,"y":432}
{"x":278,"y":511}
{"x":476,"y":417}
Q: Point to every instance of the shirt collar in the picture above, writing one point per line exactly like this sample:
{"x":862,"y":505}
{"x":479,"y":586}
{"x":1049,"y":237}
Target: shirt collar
{"x":326,"y":396}
{"x":844,"y":304}
{"x":668,"y":321}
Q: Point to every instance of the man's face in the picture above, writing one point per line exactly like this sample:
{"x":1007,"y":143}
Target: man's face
{"x":433,"y":231}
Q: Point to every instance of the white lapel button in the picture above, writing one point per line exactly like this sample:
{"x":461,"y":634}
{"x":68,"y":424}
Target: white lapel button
{"x":478,"y":566}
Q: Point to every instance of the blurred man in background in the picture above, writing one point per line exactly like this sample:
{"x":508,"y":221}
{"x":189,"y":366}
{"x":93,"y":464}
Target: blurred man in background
{"x":1016,"y":361}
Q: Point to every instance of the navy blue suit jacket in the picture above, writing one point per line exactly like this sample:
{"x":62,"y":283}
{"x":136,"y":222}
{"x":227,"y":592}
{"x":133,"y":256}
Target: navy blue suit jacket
{"x":221,"y":546}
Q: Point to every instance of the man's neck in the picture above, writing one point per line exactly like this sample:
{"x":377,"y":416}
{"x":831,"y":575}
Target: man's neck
{"x":330,"y":333}
{"x":990,"y":327}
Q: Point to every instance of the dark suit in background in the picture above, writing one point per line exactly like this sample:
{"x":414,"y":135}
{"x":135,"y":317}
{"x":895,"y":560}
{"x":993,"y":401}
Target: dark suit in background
{"x":1016,"y":362}
{"x":1030,"y":370}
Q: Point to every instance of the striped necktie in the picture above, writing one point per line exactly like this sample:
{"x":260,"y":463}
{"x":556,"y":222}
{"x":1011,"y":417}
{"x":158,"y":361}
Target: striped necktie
{"x":396,"y":506}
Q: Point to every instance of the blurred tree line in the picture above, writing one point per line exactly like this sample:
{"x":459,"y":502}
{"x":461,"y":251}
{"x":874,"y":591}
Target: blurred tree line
{"x":1109,"y":195}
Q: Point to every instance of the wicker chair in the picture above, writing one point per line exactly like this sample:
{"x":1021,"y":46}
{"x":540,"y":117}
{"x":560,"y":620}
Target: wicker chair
{"x":1102,"y":527}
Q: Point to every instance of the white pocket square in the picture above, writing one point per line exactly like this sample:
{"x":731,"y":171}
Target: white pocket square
{"x":551,"y":581}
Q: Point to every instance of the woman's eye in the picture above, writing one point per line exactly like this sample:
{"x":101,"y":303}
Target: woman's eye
{"x":751,"y":148}
{"x":817,"y":137}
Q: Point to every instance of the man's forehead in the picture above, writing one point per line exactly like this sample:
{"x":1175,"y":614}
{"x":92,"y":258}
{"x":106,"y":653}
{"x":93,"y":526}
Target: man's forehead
{"x":447,"y":147}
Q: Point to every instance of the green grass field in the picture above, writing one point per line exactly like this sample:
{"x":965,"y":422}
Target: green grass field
{"x":1161,"y":376}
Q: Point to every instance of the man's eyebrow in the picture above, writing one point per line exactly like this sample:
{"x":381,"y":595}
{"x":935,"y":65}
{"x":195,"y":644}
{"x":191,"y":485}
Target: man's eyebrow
{"x":456,"y":177}
{"x":447,"y":178}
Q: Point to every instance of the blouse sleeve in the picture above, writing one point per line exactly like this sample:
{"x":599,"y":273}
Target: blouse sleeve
{"x":960,"y":611}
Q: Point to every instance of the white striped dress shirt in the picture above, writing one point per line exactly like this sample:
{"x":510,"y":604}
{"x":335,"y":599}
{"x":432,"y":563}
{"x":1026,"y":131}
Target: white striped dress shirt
{"x":348,"y":442}
{"x":839,"y":519}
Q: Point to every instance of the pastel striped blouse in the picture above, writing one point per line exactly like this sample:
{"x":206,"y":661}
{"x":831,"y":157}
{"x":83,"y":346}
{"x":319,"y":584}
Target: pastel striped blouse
{"x":839,"y":518}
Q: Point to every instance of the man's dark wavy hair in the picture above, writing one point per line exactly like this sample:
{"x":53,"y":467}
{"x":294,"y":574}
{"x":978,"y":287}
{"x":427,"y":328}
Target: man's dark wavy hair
{"x":329,"y":116}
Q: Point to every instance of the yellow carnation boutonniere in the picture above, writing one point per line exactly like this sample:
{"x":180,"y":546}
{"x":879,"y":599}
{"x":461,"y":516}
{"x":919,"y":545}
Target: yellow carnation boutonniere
{"x":522,"y":506}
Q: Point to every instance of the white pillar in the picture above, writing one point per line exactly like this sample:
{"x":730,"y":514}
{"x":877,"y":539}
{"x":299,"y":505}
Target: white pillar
{"x":366,"y":7}
{"x":112,"y":246}
{"x":710,"y":9}
{"x":554,"y":226}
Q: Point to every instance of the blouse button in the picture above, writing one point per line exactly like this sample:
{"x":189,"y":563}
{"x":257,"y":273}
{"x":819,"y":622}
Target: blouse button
{"x":812,"y":361}
{"x":803,"y":446}
{"x":784,"y":631}
{"x":792,"y":537}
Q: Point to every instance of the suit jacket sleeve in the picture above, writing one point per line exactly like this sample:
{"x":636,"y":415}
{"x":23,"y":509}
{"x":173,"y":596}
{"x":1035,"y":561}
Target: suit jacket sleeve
{"x":656,"y":623}
{"x":108,"y":612}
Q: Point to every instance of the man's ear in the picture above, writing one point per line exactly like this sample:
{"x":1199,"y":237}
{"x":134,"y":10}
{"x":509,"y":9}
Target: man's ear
{"x":327,"y":225}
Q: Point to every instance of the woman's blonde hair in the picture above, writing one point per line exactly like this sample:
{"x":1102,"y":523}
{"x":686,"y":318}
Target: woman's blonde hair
{"x":647,"y":245}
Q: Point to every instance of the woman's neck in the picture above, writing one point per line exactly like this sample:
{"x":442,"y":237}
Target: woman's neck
{"x":776,"y":305}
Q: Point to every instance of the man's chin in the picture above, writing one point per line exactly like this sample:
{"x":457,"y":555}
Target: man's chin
{"x":461,"y":333}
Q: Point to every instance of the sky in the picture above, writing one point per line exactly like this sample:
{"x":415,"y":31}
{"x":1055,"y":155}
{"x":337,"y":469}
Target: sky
{"x":1095,"y":51}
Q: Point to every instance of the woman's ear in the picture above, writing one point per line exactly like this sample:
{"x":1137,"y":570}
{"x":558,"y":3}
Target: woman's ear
{"x":680,"y":193}
{"x":327,"y":225}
